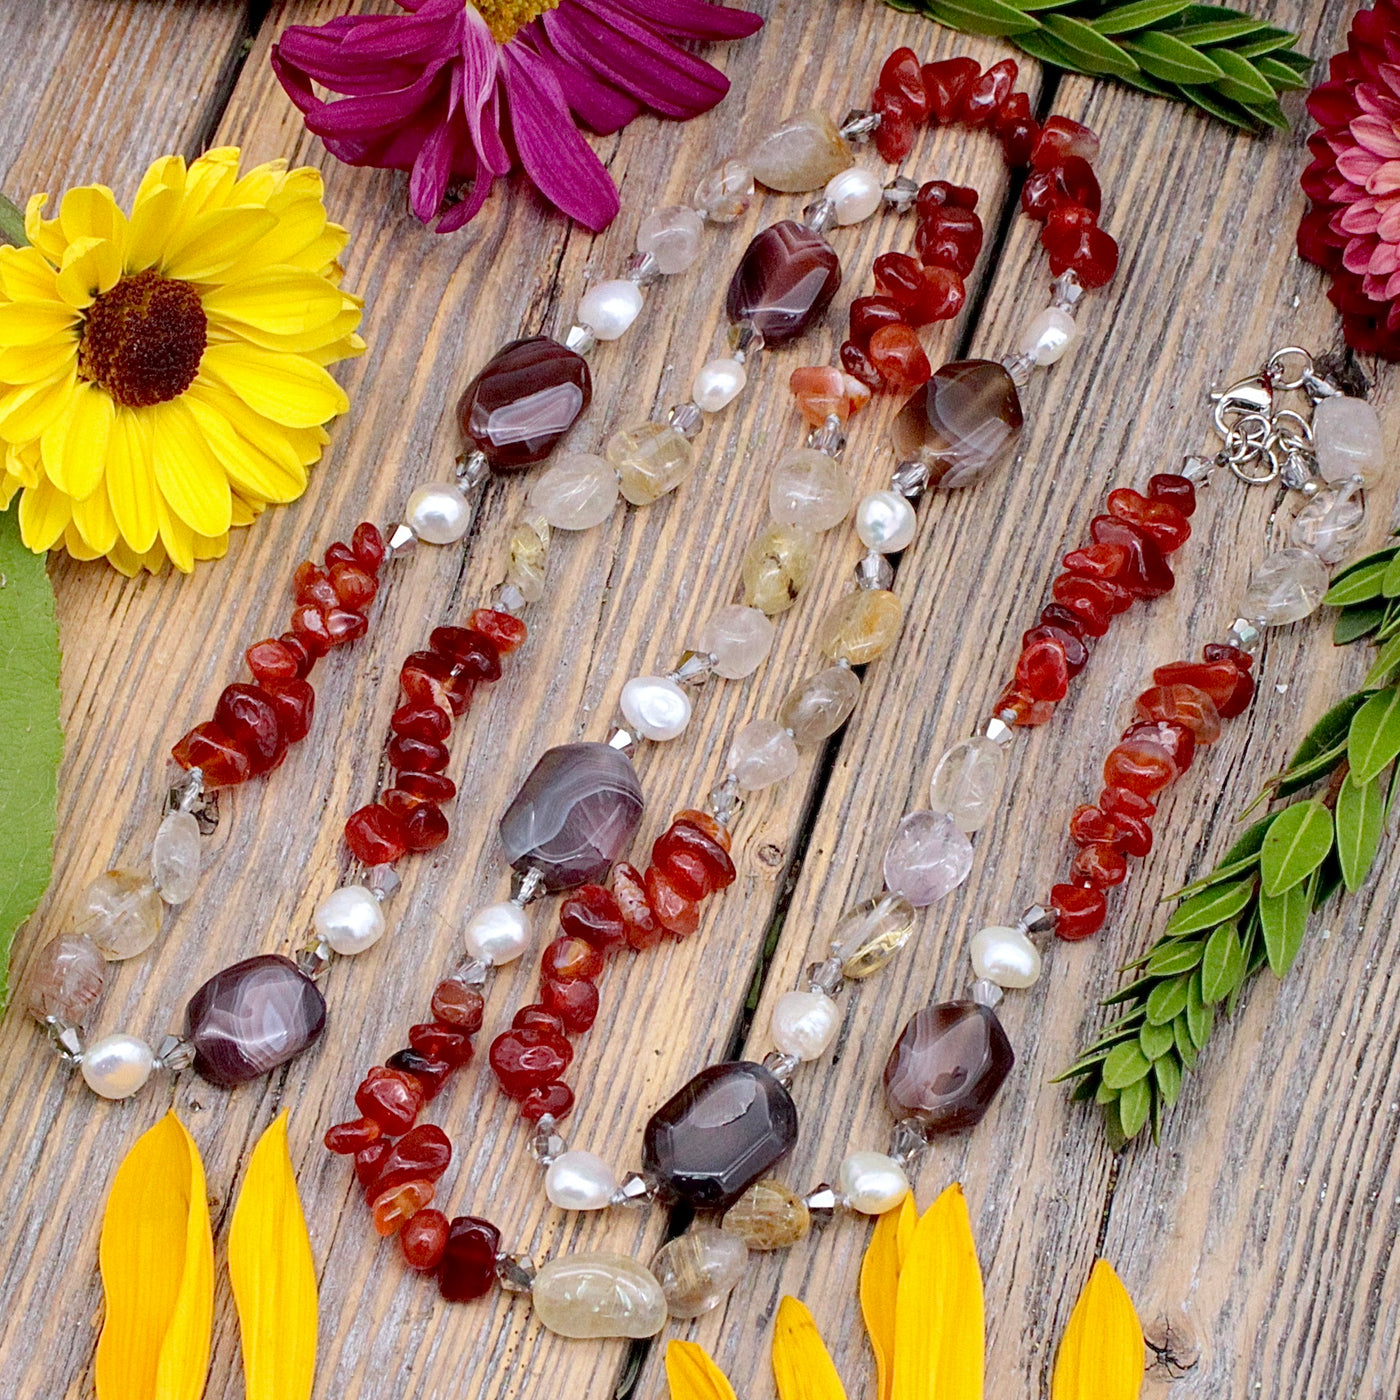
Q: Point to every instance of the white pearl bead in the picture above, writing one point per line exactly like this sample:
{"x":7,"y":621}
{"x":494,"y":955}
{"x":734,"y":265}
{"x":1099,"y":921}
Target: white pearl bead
{"x":499,"y":933}
{"x":856,"y":193}
{"x":579,"y":1181}
{"x":804,"y":1023}
{"x":1005,"y":956}
{"x":672,"y":236}
{"x":117,"y":1066}
{"x":872,"y":1183}
{"x":1049,"y":335}
{"x":350,"y":920}
{"x":718,"y":383}
{"x":438,"y":512}
{"x":885,"y":522}
{"x":655,"y":706}
{"x":610,"y":307}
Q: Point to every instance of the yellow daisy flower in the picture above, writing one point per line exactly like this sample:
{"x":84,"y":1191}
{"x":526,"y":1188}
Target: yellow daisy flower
{"x":162,"y":374}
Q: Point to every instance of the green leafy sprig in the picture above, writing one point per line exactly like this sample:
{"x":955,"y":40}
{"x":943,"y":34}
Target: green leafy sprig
{"x":1221,"y":60}
{"x":1252,"y":910}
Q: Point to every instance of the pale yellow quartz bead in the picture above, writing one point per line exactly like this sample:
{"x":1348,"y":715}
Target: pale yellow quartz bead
{"x":800,"y":154}
{"x":121,"y":913}
{"x":870,"y":933}
{"x":777,"y":567}
{"x":861,"y":626}
{"x":769,"y":1215}
{"x":651,"y":459}
{"x":529,"y":548}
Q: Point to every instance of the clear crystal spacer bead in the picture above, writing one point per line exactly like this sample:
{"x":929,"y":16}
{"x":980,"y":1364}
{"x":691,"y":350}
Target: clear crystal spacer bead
{"x":623,"y":740}
{"x":900,"y":194}
{"x":829,"y":438}
{"x":986,"y":993}
{"x":526,"y":886}
{"x":745,"y":338}
{"x":472,"y":972}
{"x":1066,"y":291}
{"x":635,"y":1190}
{"x":910,"y":479}
{"x":781,"y":1066}
{"x":186,"y":793}
{"x":874,"y":571}
{"x":547,"y":1142}
{"x":66,"y":1041}
{"x":908,"y":1144}
{"x":643,"y":269}
{"x":821,"y":1203}
{"x":314,"y":959}
{"x":820,"y":215}
{"x":824,"y":976}
{"x":401,"y":540}
{"x":998,"y":731}
{"x":471,"y":471}
{"x":725,"y":802}
{"x":1197,"y":469}
{"x":1037,"y":918}
{"x":687,"y":419}
{"x":1019,"y":366}
{"x":696,"y":667}
{"x":1244,"y":634}
{"x":516,"y":1272}
{"x":859,"y":125}
{"x":580,"y":339}
{"x":175,"y":1053}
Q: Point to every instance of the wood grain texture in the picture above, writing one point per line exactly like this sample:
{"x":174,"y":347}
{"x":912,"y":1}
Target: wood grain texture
{"x":1260,"y":1230}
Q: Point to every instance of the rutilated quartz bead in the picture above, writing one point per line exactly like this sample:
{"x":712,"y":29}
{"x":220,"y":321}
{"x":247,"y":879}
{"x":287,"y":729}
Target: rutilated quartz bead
{"x":725,"y":193}
{"x":809,"y":489}
{"x":739,"y":638}
{"x":819,"y":705}
{"x":763,"y":753}
{"x":699,"y":1269}
{"x":966,"y":781}
{"x":777,"y":567}
{"x":870,"y":933}
{"x":800,"y":154}
{"x":578,"y":492}
{"x":769,"y":1215}
{"x":65,"y":980}
{"x":651,"y":459}
{"x":861,"y":626}
{"x":528,"y":550}
{"x":121,"y":913}
{"x":928,"y":858}
{"x":175,"y":857}
{"x":598,"y":1295}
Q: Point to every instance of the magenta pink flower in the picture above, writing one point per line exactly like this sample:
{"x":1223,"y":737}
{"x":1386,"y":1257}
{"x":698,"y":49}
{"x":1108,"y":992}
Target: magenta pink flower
{"x":1353,"y":226}
{"x":455,"y":91}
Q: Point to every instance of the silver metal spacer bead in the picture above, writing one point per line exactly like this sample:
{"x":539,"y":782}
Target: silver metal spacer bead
{"x":175,"y":1053}
{"x":527,"y":886}
{"x":1038,"y":918}
{"x":821,"y":1203}
{"x":829,"y":438}
{"x":998,"y":731}
{"x":623,"y":740}
{"x":986,"y":993}
{"x":401,"y":540}
{"x":314,"y":959}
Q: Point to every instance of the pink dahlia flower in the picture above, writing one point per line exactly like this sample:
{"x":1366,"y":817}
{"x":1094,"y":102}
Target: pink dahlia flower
{"x":455,"y":91}
{"x":1352,"y":228}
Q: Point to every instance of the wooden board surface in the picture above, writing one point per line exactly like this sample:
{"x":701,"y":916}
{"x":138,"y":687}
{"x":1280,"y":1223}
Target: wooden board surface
{"x":1259,"y":1232}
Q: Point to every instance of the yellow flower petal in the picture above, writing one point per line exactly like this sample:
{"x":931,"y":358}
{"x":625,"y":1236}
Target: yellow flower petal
{"x":29,"y":364}
{"x":176,"y":538}
{"x":8,"y":486}
{"x":209,"y":547}
{"x":44,"y":234}
{"x":189,"y":474}
{"x":879,"y":1287}
{"x":90,"y":266}
{"x":282,"y":300}
{"x":167,"y":172}
{"x":75,"y":444}
{"x":32,"y":322}
{"x":284,"y":388}
{"x":1101,"y":1354}
{"x":90,"y":211}
{"x":802,"y":1366}
{"x":151,"y":224}
{"x":77,"y":547}
{"x":26,"y":411}
{"x":208,"y":244}
{"x":131,"y":481}
{"x":691,"y":1375}
{"x":249,"y":471}
{"x":210,"y":178}
{"x":157,"y":1260}
{"x":273,"y":1275}
{"x":44,"y":514}
{"x":25,"y":275}
{"x":939,"y":1322}
{"x":94,"y":521}
{"x":300,"y":226}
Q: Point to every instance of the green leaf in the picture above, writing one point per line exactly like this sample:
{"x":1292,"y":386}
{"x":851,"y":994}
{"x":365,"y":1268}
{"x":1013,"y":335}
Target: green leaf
{"x":1360,"y":583}
{"x":1296,"y":845}
{"x":1242,"y":81}
{"x":1167,"y":1000}
{"x":1374,"y":737}
{"x":1185,"y":1046}
{"x":31,"y":738}
{"x":1285,"y":920}
{"x":1048,"y":49}
{"x":1280,"y":76}
{"x":1126,"y":1064}
{"x":1329,"y":880}
{"x":1094,"y":51}
{"x":1360,"y":818}
{"x":1302,"y":775}
{"x":1156,"y":1040}
{"x":1167,"y":1072}
{"x":12,"y":224}
{"x":1221,"y":873}
{"x":1390,"y":580}
{"x":1267,"y":114}
{"x":1200,"y":1015}
{"x":1330,"y":730}
{"x":991,"y":17}
{"x":1122,"y":19}
{"x":1134,"y":1104}
{"x":1172,"y":956}
{"x":1355,"y":623}
{"x":1266,"y":42}
{"x":1168,"y":58}
{"x":1385,"y":667}
{"x":1222,"y":967}
{"x":1214,"y":906}
{"x":1250,"y":842}
{"x":1217,"y":31}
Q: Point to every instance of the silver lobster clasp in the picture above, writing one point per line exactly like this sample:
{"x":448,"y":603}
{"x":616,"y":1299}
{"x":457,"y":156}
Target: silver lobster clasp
{"x":1247,"y":397}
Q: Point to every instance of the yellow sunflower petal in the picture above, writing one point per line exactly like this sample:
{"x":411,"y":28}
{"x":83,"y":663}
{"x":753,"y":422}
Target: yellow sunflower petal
{"x":76,"y":547}
{"x":209,"y":547}
{"x":283,"y":445}
{"x":189,"y":474}
{"x":300,"y":226}
{"x":879,"y":1287}
{"x":323,"y":344}
{"x":90,"y":211}
{"x":176,"y":538}
{"x":44,"y":514}
{"x":346,"y":348}
{"x":259,"y":184}
{"x":168,"y":172}
{"x":151,"y":223}
{"x":75,"y":445}
{"x":691,"y":1375}
{"x":94,"y":521}
{"x":90,"y":266}
{"x":26,"y":275}
{"x":131,"y":481}
{"x":802,"y":1366}
{"x":203,"y":247}
{"x":273,"y":1275}
{"x":44,"y":234}
{"x":246,"y":511}
{"x":1101,"y":1354}
{"x":33,"y":322}
{"x":124,"y":559}
{"x":27,"y":410}
{"x":282,"y":300}
{"x":939,"y":1323}
{"x":285,"y":388}
{"x":321,"y":254}
{"x":24,"y":463}
{"x":29,"y":364}
{"x":249,"y":471}
{"x":157,"y":1258}
{"x":209,"y":179}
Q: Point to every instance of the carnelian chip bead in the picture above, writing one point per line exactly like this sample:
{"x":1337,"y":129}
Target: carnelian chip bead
{"x":982,"y":98}
{"x":894,"y":137}
{"x":1182,"y":704}
{"x":899,"y":358}
{"x":391,"y":1097}
{"x":945,"y":82}
{"x":674,"y":912}
{"x":1076,"y":654}
{"x":1119,"y":802}
{"x":1101,"y":864}
{"x":1105,"y":562}
{"x":430,"y":1074}
{"x":1016,"y":129}
{"x":1090,"y":826}
{"x":568,"y":957}
{"x":393,"y":1207}
{"x":1081,"y":910}
{"x":901,"y":74}
{"x":591,"y":912}
{"x":1175,"y":490}
{"x":629,"y":889}
{"x":950,"y":237}
{"x":1092,"y":601}
{"x":427,"y":787}
{"x":1167,"y":525}
{"x":1043,"y":670}
{"x":935,"y":194}
{"x":418,"y":755}
{"x":869,"y":314}
{"x":1139,"y":764}
{"x":310,"y":626}
{"x":823,"y":390}
{"x":1177,"y":740}
{"x":295,"y":704}
{"x":555,"y":1099}
{"x":439,"y":1041}
{"x":349,"y":1138}
{"x":1218,"y":679}
{"x":528,"y":1057}
{"x":683,"y":836}
{"x":423,"y":1239}
{"x":368,"y":545}
{"x":421,"y":721}
{"x":472,"y":653}
{"x":311,"y":584}
{"x":425,"y":828}
{"x":704,"y":822}
{"x":457,"y":1005}
{"x":575,"y":1002}
{"x":247,"y":715}
{"x":354,"y":587}
{"x":858,"y":364}
{"x":1062,"y":138}
{"x":507,"y":631}
{"x":207,"y":747}
{"x":1219,"y":651}
{"x":375,"y":835}
{"x":368,"y":1161}
{"x":537,"y":1016}
{"x":1146,"y":573}
{"x":1025,"y":710}
{"x":338,"y":553}
{"x":271,"y":660}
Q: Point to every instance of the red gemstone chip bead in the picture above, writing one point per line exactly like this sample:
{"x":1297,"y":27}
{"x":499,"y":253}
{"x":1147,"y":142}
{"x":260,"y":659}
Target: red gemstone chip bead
{"x":458,"y":1005}
{"x":392,"y":1098}
{"x":468,"y":1265}
{"x":423,"y":1240}
{"x":591,"y":912}
{"x":1081,"y":911}
{"x":556,"y":1099}
{"x":208,"y":748}
{"x":375,"y":835}
{"x":525,"y":1058}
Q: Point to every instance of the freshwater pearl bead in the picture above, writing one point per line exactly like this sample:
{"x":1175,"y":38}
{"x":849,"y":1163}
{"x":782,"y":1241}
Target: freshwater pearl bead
{"x":610,"y":307}
{"x":672,"y":236}
{"x":804,"y":1023}
{"x":350,"y":920}
{"x":718,"y":383}
{"x":499,"y":933}
{"x":117,"y":1066}
{"x":857,"y":193}
{"x":579,"y":1181}
{"x":1005,"y":956}
{"x":438,"y":513}
{"x":872,"y":1183}
{"x":655,"y":706}
{"x":1049,"y":335}
{"x":885,"y":522}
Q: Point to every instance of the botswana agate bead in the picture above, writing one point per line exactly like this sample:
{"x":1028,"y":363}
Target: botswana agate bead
{"x":964,"y":423}
{"x":574,"y":815}
{"x":785,"y":280}
{"x":528,"y":395}
{"x":948,"y":1064}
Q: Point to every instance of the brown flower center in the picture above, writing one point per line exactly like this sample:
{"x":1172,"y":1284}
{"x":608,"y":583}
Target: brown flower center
{"x":504,"y":17}
{"x":143,"y":340}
